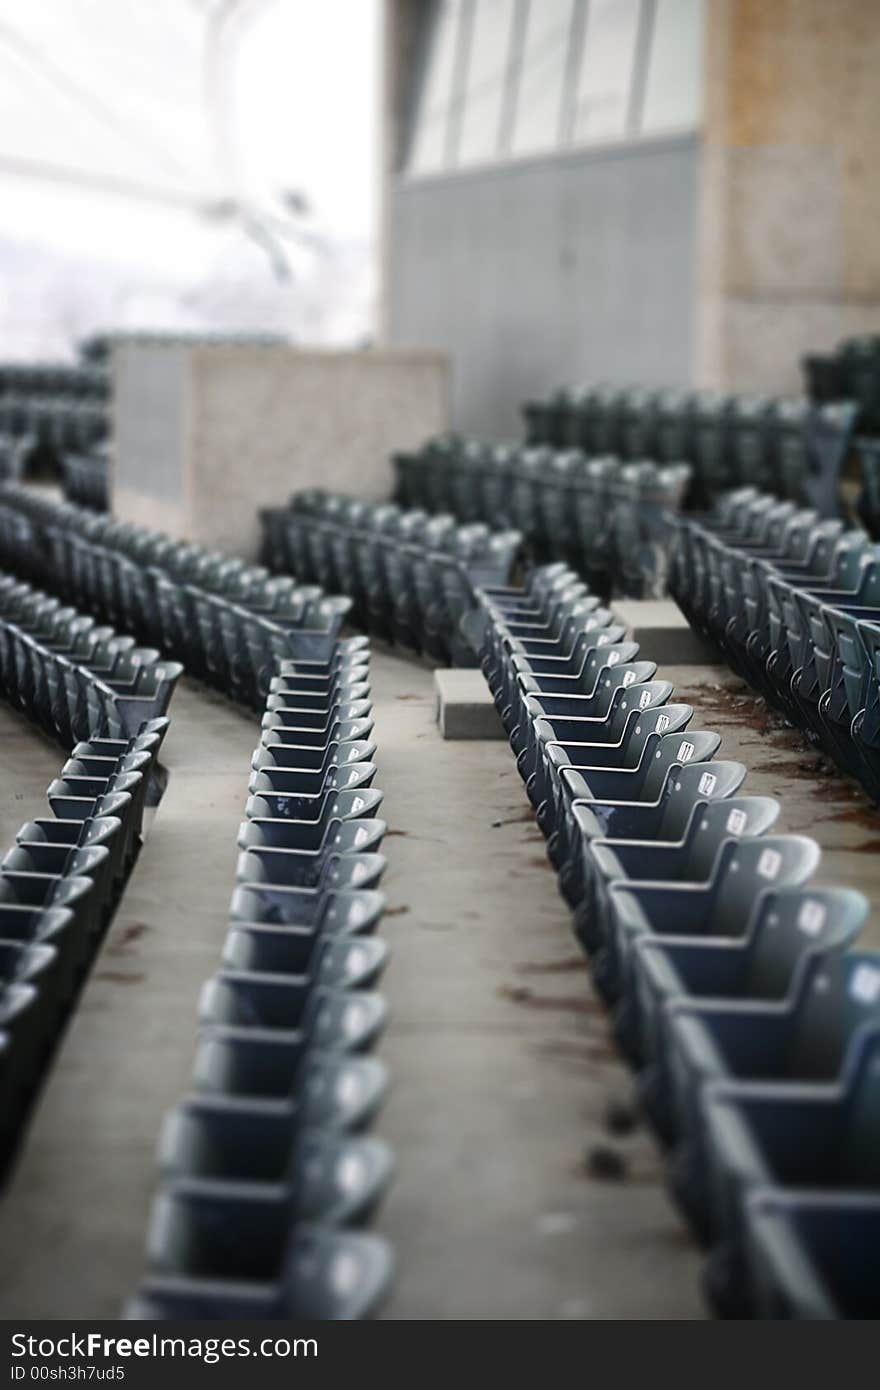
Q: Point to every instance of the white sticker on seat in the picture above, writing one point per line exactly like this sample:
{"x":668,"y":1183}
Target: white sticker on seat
{"x":865,"y":984}
{"x":707,"y":783}
{"x":685,"y":752}
{"x":769,"y":863}
{"x":736,"y":821}
{"x":811,"y":918}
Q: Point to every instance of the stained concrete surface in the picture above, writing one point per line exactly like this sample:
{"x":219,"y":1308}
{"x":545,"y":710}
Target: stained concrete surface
{"x":76,"y":1209}
{"x":502,"y":1072}
{"x":513,"y":1198}
{"x":28,"y":762}
{"x":815,"y":798}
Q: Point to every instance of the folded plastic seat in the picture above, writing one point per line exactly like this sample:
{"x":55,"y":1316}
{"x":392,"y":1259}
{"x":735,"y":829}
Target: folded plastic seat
{"x":809,"y":1139}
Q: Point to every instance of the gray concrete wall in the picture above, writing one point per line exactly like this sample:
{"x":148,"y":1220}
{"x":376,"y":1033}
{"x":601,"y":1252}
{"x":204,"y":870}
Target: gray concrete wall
{"x":205,"y":435}
{"x":150,"y":404}
{"x":538,"y":272}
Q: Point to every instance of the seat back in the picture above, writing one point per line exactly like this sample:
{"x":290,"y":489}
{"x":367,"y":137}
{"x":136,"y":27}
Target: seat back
{"x":693,"y":785}
{"x":752,"y":867}
{"x":653,"y":724}
{"x":674,"y":751}
{"x":743,"y":817}
{"x":792,"y":921}
{"x":837,"y":996}
{"x":813,"y":1255}
{"x":860,"y":1151}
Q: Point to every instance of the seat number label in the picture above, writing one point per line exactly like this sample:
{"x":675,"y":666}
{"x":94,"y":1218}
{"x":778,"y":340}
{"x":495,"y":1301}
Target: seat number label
{"x":811,"y":918}
{"x":769,"y":863}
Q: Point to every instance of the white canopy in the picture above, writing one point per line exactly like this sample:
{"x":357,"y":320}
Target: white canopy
{"x":185,"y":163}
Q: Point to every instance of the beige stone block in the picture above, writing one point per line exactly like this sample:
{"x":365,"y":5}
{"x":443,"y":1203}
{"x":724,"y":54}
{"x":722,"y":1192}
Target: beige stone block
{"x":789,"y":259}
{"x":464,"y":707}
{"x":206,"y":435}
{"x":663,"y":633}
{"x":784,"y":220}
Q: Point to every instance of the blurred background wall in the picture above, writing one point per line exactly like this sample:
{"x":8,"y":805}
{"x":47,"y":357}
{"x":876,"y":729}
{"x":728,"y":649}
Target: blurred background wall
{"x":663,"y":191}
{"x":544,"y":207}
{"x":667,"y":191}
{"x":199,"y":166}
{"x":789,"y":252}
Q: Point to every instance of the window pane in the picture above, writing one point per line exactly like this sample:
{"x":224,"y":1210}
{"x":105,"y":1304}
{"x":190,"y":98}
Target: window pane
{"x":606,"y":72}
{"x":429,"y":142}
{"x":486,"y":76}
{"x":673,"y":94}
{"x":539,"y":99}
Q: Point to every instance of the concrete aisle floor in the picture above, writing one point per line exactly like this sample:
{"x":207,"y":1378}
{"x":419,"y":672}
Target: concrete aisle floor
{"x":502,"y":1072}
{"x":29,"y":760}
{"x":76,"y":1209}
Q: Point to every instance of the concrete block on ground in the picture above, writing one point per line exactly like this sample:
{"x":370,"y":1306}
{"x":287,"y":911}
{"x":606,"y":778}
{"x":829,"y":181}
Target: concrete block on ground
{"x":205,"y":434}
{"x":465,"y":708}
{"x":663,"y":633}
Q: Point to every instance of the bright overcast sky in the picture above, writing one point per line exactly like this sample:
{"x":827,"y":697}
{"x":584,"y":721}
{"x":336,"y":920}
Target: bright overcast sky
{"x":285,"y":98}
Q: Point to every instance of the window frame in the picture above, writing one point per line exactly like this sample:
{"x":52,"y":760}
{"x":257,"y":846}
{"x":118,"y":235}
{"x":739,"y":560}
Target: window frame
{"x":566,"y":144}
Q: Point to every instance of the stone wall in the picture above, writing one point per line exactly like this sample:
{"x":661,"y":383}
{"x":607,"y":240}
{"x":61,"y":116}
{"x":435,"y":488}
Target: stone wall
{"x":790,"y":200}
{"x":205,"y":435}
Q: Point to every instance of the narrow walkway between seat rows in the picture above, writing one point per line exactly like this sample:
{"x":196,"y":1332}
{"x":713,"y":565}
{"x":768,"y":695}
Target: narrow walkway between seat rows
{"x":76,"y":1210}
{"x":512,"y":1199}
